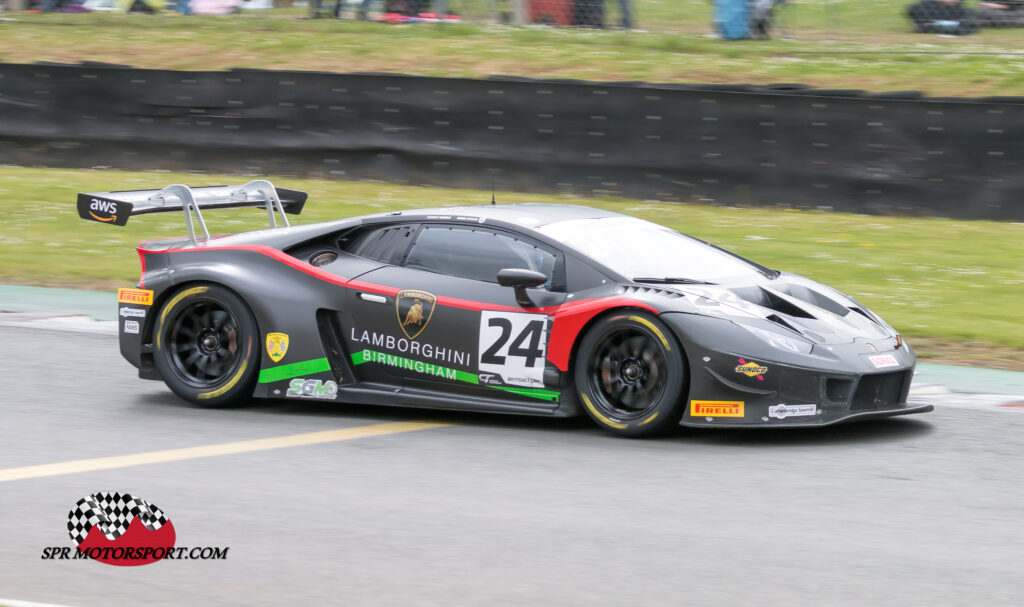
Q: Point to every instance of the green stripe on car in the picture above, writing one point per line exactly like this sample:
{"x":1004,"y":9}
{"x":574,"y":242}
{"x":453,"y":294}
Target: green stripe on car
{"x":305,"y":367}
{"x":419,"y":366}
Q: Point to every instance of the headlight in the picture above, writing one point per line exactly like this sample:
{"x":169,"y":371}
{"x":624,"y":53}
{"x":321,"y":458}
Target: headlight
{"x":778,"y":340}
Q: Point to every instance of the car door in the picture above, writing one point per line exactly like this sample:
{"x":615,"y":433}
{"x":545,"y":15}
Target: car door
{"x":439,"y":320}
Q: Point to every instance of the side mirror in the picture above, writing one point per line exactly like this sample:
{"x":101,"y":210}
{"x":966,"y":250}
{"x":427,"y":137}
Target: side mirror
{"x":521,"y":279}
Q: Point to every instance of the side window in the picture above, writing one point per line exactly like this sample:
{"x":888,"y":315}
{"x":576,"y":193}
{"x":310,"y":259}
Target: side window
{"x":478,"y":254}
{"x":384,"y":243}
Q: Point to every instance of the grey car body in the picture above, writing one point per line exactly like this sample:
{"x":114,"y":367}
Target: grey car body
{"x":770,"y":350}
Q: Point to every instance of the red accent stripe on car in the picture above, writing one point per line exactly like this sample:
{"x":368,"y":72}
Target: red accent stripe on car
{"x":568,"y":318}
{"x":142,"y":262}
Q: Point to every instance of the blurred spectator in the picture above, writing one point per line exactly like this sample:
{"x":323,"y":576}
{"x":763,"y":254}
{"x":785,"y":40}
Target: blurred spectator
{"x":61,"y":6}
{"x":626,"y":14}
{"x":740,"y":19}
{"x":941,"y":17}
{"x":140,"y":7}
{"x":1004,"y":13}
{"x":364,"y":10}
{"x":406,"y":7}
{"x":588,"y":13}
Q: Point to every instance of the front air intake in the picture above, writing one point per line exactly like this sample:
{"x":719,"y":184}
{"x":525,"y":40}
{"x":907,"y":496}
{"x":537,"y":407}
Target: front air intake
{"x":878,"y":391}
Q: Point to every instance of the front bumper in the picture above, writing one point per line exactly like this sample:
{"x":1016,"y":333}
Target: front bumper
{"x":816,"y":421}
{"x":735,"y":383}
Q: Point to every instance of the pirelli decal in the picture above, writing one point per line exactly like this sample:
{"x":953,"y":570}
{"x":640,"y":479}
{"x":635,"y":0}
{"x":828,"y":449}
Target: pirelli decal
{"x":716,"y":408}
{"x":141,"y":297}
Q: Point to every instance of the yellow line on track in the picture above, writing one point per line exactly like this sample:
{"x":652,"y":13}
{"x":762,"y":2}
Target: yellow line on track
{"x":245,"y":446}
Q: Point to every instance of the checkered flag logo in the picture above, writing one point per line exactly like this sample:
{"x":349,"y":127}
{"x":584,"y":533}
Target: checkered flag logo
{"x":113,"y":512}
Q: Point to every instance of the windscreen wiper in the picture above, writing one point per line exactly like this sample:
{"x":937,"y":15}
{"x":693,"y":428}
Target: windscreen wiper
{"x":670,"y":280}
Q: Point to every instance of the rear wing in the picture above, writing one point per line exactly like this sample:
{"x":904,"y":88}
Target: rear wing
{"x":116,"y":207}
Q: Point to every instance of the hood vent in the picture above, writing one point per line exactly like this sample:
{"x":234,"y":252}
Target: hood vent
{"x":775,"y":318}
{"x":651,"y":291}
{"x":865,"y":315}
{"x":767,"y":299}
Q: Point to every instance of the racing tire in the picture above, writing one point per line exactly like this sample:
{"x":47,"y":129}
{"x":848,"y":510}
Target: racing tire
{"x":206,"y":346}
{"x":631,"y":375}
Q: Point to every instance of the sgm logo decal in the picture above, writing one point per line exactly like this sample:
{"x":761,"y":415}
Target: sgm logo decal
{"x":414,"y":309}
{"x":124,"y":530}
{"x":103,"y":206}
{"x":312,"y":388}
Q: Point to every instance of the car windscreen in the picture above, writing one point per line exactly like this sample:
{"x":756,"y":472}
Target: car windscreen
{"x":636,"y":248}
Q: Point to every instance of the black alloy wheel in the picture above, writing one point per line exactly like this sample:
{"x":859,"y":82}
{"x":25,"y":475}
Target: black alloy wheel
{"x":205,"y":346}
{"x":631,"y":375}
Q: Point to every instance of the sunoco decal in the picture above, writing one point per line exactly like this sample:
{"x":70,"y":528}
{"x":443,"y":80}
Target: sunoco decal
{"x":751,"y":369}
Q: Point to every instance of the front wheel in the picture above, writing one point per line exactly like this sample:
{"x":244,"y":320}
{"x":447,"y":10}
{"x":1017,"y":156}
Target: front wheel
{"x":631,"y":375}
{"x":206,"y":346}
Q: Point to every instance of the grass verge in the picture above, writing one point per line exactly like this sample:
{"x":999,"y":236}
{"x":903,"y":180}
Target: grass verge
{"x":957,"y":283}
{"x":841,"y":44}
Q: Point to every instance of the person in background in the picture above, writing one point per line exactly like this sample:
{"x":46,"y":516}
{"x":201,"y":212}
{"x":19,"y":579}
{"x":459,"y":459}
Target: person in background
{"x":364,"y":10}
{"x":1003,"y":13}
{"x":626,"y":14}
{"x":941,"y":17}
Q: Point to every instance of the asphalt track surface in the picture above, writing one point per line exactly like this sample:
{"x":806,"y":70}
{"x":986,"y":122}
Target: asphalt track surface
{"x":493,"y":510}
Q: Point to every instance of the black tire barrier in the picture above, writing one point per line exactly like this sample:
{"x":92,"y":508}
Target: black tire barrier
{"x":790,"y":145}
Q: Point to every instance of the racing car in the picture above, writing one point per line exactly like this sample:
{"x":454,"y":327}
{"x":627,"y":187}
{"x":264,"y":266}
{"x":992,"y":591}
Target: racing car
{"x":540,"y":309}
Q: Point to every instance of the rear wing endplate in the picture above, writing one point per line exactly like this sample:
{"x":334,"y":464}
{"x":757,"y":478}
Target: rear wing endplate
{"x":116,"y":207}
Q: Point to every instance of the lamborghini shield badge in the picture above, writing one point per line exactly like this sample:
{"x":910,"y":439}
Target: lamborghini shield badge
{"x":277,"y":345}
{"x":414,"y":309}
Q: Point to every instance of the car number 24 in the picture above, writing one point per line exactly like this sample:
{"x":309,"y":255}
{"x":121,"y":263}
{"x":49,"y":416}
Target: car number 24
{"x":513,"y":347}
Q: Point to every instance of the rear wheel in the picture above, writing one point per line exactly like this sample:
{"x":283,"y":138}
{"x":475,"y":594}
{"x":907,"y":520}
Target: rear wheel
{"x":631,"y":375}
{"x":206,"y":346}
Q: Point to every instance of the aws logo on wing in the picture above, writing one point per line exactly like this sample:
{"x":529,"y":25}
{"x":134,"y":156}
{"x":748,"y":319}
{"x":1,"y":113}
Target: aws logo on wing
{"x":120,"y":529}
{"x":107,"y":210}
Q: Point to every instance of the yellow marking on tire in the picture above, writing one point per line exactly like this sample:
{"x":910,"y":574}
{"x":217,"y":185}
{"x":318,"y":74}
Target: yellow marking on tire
{"x":650,"y":325}
{"x":227,"y":386}
{"x":649,"y":419}
{"x":245,"y":446}
{"x":174,"y":301}
{"x":597,"y":414}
